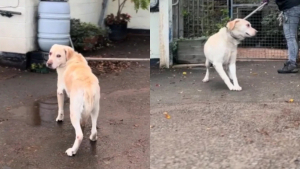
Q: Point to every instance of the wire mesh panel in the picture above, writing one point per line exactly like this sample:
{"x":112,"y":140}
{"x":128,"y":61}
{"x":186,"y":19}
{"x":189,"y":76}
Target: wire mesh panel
{"x":204,"y":17}
{"x":269,"y":43}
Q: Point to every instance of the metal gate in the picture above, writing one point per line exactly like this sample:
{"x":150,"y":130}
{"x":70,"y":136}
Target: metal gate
{"x":197,"y":18}
{"x":269,"y":43}
{"x":202,"y":18}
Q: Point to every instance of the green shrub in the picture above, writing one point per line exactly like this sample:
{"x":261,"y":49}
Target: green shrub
{"x":87,"y":36}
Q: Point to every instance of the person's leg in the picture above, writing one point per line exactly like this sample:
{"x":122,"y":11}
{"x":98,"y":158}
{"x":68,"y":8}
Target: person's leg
{"x":290,"y":28}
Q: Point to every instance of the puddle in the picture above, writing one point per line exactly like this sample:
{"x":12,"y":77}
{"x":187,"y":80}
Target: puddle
{"x":44,"y":110}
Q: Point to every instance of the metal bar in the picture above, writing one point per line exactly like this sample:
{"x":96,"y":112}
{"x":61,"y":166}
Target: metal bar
{"x":117,"y":59}
{"x":178,"y":18}
{"x":227,"y":3}
{"x":231,"y":9}
{"x":12,"y":12}
{"x":189,"y":19}
{"x":202,"y":17}
{"x":180,"y":21}
{"x":193,"y":19}
{"x":198,"y":18}
{"x":246,"y":5}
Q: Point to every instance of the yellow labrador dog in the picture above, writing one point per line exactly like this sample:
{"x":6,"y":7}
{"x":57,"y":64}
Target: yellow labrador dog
{"x":82,"y":87}
{"x":221,"y":49}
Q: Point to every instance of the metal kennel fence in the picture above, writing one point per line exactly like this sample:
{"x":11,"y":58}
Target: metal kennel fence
{"x":202,"y":18}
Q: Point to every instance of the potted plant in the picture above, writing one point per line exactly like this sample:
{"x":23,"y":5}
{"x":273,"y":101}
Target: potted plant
{"x":86,"y":36}
{"x":118,"y":23}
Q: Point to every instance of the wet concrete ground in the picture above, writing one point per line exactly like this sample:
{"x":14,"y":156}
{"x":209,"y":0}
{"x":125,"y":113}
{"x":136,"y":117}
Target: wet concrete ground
{"x":30,"y":137}
{"x":212,"y":128}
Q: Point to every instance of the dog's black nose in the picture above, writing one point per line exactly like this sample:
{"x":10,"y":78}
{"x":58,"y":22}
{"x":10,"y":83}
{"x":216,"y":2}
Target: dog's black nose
{"x":49,"y":65}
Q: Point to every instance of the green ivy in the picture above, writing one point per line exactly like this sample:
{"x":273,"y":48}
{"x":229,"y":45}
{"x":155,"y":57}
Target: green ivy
{"x":219,"y":20}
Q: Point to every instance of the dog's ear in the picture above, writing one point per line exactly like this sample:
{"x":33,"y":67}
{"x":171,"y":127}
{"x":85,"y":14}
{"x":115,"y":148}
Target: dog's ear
{"x":230,"y":25}
{"x":69,"y":52}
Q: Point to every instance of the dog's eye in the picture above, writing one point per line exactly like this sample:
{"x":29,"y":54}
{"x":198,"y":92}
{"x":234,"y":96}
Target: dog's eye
{"x":248,"y":25}
{"x":58,"y":56}
{"x":50,"y":53}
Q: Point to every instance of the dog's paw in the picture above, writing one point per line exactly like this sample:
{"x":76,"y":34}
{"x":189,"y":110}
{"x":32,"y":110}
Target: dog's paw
{"x":93,"y":137}
{"x":205,"y":80}
{"x":70,"y":152}
{"x":236,"y":88}
{"x":60,"y":117}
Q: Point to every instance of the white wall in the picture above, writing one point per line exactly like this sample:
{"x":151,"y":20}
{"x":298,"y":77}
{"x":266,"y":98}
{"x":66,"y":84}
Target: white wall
{"x":18,"y":33}
{"x":139,"y":20}
{"x":154,"y":35}
{"x":86,"y":10}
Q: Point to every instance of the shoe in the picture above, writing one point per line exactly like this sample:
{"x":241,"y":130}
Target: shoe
{"x":289,"y":67}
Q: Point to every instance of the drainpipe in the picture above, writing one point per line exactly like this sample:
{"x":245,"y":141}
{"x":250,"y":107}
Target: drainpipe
{"x":102,"y":14}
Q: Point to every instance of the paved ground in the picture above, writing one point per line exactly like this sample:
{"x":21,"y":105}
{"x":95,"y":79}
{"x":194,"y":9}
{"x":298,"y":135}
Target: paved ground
{"x":213,"y":128}
{"x":30,"y":137}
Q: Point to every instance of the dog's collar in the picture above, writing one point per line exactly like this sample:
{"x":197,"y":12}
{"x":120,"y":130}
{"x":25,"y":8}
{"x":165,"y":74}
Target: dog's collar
{"x":232,"y":35}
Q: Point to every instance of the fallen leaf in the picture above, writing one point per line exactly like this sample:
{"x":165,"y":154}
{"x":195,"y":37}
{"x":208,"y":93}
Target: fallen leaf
{"x":167,"y":115}
{"x":291,"y":100}
{"x":184,"y":73}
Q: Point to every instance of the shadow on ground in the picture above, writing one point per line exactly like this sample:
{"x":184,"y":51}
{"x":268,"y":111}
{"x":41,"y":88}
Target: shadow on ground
{"x":212,"y":127}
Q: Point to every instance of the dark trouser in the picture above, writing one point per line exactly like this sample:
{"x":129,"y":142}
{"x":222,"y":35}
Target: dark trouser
{"x":290,"y":26}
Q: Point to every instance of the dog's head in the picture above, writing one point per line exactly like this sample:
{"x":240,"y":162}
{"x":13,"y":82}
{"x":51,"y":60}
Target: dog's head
{"x":58,"y":56}
{"x":241,"y":28}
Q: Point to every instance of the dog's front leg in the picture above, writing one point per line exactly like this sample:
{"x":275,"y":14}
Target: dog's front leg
{"x":60,"y":101}
{"x":219,"y":68}
{"x":232,"y":71}
{"x":60,"y":97}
